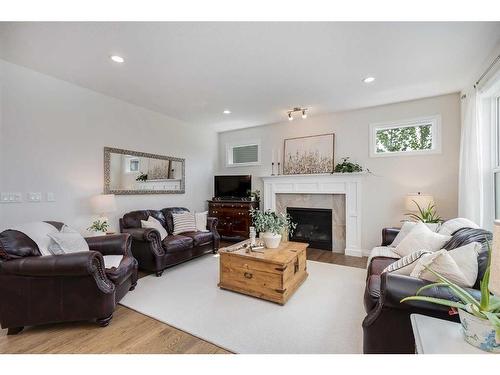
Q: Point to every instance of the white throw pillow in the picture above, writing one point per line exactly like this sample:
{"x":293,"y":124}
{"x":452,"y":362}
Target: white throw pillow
{"x":155,"y":224}
{"x":112,"y":261}
{"x":458,"y":265}
{"x":405,"y":265}
{"x":184,"y":222}
{"x":201,"y":221}
{"x":421,"y":238}
{"x":66,"y":243}
{"x":451,"y":226}
{"x":407,"y":227}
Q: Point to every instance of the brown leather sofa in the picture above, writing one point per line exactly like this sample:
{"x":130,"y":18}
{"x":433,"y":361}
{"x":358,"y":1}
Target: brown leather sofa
{"x":155,"y":255}
{"x":37,"y":289}
{"x":386,"y":327}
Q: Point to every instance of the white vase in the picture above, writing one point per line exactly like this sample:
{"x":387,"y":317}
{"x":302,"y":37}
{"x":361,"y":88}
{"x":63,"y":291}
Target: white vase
{"x":479,"y":332}
{"x":271,"y":240}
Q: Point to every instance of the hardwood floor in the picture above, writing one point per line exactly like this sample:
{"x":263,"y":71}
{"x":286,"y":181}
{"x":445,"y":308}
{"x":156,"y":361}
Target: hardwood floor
{"x":129,"y":331}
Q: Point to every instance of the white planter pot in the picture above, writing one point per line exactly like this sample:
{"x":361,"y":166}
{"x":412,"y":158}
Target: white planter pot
{"x":272,"y":241}
{"x":479,"y":332}
{"x":96,"y":234}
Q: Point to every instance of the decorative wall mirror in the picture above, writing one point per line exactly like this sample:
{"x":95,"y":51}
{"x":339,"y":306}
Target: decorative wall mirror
{"x":132,"y":172}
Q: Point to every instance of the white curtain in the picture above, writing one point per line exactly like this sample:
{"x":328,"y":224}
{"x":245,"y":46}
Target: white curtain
{"x":470,"y":186}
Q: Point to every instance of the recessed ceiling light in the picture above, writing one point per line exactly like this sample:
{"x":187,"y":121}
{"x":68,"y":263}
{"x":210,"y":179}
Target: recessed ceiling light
{"x":227,"y":111}
{"x":369,"y":79}
{"x":117,"y":59}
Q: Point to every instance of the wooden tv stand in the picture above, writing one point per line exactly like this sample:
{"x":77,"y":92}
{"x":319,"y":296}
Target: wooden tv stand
{"x":234,"y":217}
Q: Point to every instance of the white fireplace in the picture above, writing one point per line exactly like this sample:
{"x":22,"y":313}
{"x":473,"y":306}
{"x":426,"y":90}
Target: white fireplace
{"x":348,"y":184}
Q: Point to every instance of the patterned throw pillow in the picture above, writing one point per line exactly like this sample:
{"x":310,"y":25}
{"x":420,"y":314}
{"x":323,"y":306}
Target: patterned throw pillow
{"x":405,"y":265}
{"x":184,"y":222}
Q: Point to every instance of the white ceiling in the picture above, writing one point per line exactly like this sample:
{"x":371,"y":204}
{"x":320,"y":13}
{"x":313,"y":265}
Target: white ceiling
{"x":193,"y":71}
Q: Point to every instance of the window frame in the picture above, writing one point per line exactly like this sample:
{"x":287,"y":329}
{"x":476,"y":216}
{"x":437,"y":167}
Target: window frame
{"x":229,"y":153}
{"x":495,"y":149}
{"x":434,"y":121}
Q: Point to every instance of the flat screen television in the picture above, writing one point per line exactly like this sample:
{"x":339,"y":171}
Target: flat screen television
{"x":232,"y":187}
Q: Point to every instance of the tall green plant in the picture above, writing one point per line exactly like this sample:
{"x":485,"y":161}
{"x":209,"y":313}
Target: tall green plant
{"x":488,"y":307}
{"x":269,"y":221}
{"x":426,"y":215}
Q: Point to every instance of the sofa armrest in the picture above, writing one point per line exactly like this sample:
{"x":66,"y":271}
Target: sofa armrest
{"x":388,"y":235}
{"x":149,"y":237}
{"x":212,"y":227}
{"x":112,"y":244}
{"x":395,"y":287}
{"x":74,"y":264}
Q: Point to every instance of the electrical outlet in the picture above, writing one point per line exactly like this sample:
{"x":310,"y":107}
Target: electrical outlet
{"x":51,"y":197}
{"x":34,"y":197}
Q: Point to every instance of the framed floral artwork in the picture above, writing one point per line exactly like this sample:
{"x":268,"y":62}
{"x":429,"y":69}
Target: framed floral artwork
{"x":309,"y":155}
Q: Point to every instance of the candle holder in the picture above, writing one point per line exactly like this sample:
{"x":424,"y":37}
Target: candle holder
{"x":279,"y":164}
{"x":272,"y":168}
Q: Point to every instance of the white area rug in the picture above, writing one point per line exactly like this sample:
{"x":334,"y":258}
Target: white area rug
{"x":323,"y":316}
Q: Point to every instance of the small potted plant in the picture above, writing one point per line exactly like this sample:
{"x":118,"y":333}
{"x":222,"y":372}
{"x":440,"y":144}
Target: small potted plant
{"x":426,"y":215}
{"x":255,"y":195}
{"x":271,"y":225}
{"x":480,"y":319}
{"x":99,"y":227}
{"x":347,"y":167}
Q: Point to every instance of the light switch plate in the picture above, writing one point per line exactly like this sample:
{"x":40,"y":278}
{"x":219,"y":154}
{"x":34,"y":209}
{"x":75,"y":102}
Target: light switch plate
{"x":6,"y":197}
{"x":51,"y":197}
{"x":34,"y":197}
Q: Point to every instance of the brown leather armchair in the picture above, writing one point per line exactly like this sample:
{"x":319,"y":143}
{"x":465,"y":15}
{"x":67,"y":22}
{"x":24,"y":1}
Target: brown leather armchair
{"x":155,"y":255}
{"x":37,"y":289}
{"x":387,"y":327}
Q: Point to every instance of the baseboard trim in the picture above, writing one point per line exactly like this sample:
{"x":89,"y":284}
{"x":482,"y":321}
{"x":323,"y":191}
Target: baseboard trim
{"x":356,"y":252}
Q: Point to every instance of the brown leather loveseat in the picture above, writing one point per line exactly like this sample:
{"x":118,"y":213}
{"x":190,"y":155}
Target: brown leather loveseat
{"x":37,"y":289}
{"x":155,"y":255}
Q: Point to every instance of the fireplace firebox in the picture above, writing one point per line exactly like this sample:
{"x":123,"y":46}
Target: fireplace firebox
{"x":314,"y":225}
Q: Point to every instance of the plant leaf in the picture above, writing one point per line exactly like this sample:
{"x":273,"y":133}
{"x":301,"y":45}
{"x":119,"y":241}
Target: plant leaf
{"x":458,"y":291}
{"x":438,"y":301}
{"x":429,"y":286}
{"x":493,"y":319}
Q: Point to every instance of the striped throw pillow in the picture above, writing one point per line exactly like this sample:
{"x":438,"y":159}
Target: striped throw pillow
{"x":184,"y":222}
{"x":405,"y":265}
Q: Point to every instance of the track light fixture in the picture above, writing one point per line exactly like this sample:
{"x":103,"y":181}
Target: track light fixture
{"x":297,"y":109}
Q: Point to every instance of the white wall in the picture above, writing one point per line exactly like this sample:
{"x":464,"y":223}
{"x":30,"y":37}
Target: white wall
{"x":393,"y":177}
{"x":52,"y":135}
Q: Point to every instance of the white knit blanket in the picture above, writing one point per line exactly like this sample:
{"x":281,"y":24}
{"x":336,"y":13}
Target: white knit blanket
{"x":38,"y":231}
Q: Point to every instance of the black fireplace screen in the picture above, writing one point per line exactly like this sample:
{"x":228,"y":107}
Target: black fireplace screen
{"x":314,"y":225}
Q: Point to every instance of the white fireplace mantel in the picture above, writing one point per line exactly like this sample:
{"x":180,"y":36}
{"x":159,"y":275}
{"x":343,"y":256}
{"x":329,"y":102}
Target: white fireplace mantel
{"x":331,"y":183}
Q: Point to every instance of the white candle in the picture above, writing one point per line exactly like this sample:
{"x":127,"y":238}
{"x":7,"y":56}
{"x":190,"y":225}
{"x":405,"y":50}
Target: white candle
{"x":272,"y":155}
{"x":279,"y":156}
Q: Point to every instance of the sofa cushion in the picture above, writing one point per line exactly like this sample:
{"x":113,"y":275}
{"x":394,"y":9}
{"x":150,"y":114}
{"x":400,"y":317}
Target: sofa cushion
{"x":200,"y":238}
{"x":421,"y":238}
{"x":133,"y":219}
{"x":124,"y":270}
{"x":169,"y":221}
{"x":465,"y":236}
{"x":174,"y":243}
{"x":15,"y":244}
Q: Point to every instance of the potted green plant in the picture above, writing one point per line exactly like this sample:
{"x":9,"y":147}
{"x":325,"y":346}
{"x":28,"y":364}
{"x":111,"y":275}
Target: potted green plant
{"x":480,"y":319}
{"x":271,"y":225}
{"x":255,"y":195}
{"x":426,"y":215}
{"x":99,"y":227}
{"x":347,"y":167}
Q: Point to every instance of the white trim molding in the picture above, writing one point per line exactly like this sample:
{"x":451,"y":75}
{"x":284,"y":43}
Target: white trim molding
{"x":434,"y":121}
{"x":348,"y":184}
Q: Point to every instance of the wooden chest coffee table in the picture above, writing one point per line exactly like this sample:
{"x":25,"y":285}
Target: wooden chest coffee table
{"x":273,"y":275}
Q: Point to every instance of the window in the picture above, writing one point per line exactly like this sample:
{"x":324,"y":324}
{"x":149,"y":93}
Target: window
{"x":408,"y":137}
{"x":243,"y":154}
{"x":132,"y":165}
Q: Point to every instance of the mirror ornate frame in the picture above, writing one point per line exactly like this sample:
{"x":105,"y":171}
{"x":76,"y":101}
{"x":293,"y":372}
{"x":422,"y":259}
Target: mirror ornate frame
{"x":107,"y":172}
